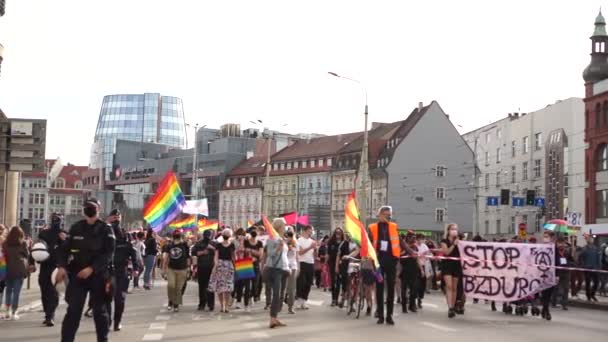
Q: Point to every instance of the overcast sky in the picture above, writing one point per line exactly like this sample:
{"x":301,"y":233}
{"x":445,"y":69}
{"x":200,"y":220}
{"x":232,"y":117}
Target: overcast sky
{"x":234,"y":61}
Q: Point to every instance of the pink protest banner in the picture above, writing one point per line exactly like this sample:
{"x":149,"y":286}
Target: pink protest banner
{"x":506,"y":272}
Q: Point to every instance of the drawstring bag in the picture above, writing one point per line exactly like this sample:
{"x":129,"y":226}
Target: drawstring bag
{"x":244,"y":269}
{"x":2,"y":265}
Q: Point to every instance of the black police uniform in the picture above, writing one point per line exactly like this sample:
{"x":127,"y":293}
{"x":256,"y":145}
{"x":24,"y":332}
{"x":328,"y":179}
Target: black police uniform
{"x":50,"y":297}
{"x":87,"y":246}
{"x":204,"y":267}
{"x":122,"y":253}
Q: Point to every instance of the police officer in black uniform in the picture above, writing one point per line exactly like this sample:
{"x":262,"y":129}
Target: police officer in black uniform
{"x":53,"y":237}
{"x":123,"y":252}
{"x":85,"y":258}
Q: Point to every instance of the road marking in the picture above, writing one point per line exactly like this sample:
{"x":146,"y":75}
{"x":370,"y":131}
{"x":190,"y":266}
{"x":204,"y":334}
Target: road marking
{"x":152,"y":337}
{"x":162,"y":318}
{"x":438,"y":327}
{"x":434,"y":306}
{"x":315,"y":302}
{"x":252,"y":325}
{"x":259,"y":334}
{"x":158,"y":326}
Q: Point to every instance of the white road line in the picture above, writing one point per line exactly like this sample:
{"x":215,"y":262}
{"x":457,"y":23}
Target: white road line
{"x":434,"y":306}
{"x":438,"y":327}
{"x":158,"y":326}
{"x":259,"y":334}
{"x":315,"y":302}
{"x":162,"y":318}
{"x":252,"y":325}
{"x":152,"y":337}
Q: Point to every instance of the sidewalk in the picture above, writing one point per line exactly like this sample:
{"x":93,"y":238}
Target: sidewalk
{"x":30,"y":298}
{"x":582,"y":302}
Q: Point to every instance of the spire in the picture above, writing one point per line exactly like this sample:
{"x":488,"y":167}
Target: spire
{"x":600,"y":25}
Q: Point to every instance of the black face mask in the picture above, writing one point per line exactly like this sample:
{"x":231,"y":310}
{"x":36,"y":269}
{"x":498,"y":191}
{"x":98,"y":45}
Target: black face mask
{"x":177,"y":237}
{"x":89,"y":211}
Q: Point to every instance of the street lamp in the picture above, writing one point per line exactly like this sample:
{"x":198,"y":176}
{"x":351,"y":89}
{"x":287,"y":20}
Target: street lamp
{"x":363,"y":167}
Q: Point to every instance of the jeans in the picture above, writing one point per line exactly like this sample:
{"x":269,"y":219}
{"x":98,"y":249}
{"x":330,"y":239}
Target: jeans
{"x":291,"y":288}
{"x":409,"y":280}
{"x":561,"y":289}
{"x":389,"y":271}
{"x":149,"y":261}
{"x":175,"y":282}
{"x":305,"y":280}
{"x":273,"y":282}
{"x":244,"y":288}
{"x":590,"y":290}
{"x":13,"y":289}
{"x":576,"y":281}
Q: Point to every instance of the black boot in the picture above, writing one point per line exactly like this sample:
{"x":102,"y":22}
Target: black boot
{"x":451,"y":313}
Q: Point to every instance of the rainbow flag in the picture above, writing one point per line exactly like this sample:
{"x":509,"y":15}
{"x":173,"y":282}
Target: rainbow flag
{"x":2,"y":265}
{"x":204,"y":224}
{"x":353,"y":226}
{"x":187,"y":223}
{"x":272,"y":234}
{"x":250,"y":223}
{"x":166,"y":204}
{"x":244,"y":269}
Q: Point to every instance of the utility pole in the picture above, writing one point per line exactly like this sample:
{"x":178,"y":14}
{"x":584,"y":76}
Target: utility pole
{"x":267,"y":177}
{"x":194,"y":166}
{"x":476,"y":190}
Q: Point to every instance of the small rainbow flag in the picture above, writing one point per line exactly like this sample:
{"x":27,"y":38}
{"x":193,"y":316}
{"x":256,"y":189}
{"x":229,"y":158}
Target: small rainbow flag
{"x":244,"y":269}
{"x":2,"y":265}
{"x":204,"y":224}
{"x":272,"y":234}
{"x":353,"y":225}
{"x":166,"y":204}
{"x":187,"y":223}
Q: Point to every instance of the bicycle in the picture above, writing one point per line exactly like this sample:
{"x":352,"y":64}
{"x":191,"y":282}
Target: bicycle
{"x":356,"y":292}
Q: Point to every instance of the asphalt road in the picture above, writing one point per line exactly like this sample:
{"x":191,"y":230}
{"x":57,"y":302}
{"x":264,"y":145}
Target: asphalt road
{"x":146,"y":319}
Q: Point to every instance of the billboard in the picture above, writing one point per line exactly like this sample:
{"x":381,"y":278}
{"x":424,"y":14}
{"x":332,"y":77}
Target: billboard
{"x":21,"y":128}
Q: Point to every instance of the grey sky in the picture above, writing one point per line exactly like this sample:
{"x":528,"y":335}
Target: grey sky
{"x":233,"y":61}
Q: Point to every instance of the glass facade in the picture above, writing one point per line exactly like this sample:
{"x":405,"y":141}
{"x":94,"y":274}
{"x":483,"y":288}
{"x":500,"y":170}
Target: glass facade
{"x":139,"y":117}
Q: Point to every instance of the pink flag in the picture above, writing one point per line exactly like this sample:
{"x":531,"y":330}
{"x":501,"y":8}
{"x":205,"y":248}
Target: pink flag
{"x":303,"y":220}
{"x":290,"y":218}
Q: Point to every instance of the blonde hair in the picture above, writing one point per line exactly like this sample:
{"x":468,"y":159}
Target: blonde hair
{"x":446,"y":230}
{"x":279,"y":224}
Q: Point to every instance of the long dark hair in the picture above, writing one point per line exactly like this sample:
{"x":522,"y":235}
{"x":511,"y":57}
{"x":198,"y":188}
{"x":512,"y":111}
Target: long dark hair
{"x":333,"y":238}
{"x":150,"y":234}
{"x":14,"y":235}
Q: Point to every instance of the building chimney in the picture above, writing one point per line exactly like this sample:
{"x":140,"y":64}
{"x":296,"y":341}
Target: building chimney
{"x":420,"y":106}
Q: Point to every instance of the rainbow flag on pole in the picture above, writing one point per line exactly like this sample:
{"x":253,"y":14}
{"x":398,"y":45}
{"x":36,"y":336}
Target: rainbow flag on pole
{"x":272,"y":234}
{"x":204,"y":224}
{"x":166,"y":204}
{"x":353,"y":226}
{"x":187,"y":223}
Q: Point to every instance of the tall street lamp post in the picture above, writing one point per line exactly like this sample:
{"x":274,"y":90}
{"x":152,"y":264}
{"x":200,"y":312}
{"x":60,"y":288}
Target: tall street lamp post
{"x":364,"y":165}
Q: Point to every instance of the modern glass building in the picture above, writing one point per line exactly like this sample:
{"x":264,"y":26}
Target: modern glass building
{"x":146,"y":117}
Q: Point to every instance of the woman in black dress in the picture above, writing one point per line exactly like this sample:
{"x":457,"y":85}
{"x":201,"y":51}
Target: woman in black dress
{"x":333,"y":249}
{"x":451,"y":269}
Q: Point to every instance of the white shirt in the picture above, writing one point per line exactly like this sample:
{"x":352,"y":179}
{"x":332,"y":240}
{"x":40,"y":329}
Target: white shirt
{"x":292,"y":257}
{"x":284,"y":258}
{"x":309,"y":256}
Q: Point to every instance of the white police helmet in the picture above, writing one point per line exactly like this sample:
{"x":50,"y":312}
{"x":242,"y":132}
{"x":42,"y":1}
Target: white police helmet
{"x":40,"y":251}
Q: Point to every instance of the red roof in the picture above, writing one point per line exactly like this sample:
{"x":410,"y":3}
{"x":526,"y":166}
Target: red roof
{"x":317,"y":147}
{"x":249,"y":167}
{"x":72,"y":174}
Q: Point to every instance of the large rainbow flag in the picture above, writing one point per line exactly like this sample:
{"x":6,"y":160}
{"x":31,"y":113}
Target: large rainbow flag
{"x":272,"y":234}
{"x":353,"y":225}
{"x":204,"y":224}
{"x":187,"y":223}
{"x":166,"y":204}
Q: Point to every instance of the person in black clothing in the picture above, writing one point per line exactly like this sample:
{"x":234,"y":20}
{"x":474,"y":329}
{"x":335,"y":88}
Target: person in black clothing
{"x":85,"y":258}
{"x":410,"y":272}
{"x":344,"y":251}
{"x":545,"y":295}
{"x":451,"y":269}
{"x":321,"y":259}
{"x":563,"y":258}
{"x":53,"y":237}
{"x":204,"y":251}
{"x":254,"y":248}
{"x":176,"y":260}
{"x":151,"y":251}
{"x":333,"y":248}
{"x":123,"y":252}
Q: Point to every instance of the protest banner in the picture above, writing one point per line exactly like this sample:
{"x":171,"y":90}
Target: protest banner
{"x":506,"y":272}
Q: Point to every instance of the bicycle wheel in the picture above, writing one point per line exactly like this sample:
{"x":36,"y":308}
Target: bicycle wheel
{"x":352,"y":294}
{"x":361,"y":297}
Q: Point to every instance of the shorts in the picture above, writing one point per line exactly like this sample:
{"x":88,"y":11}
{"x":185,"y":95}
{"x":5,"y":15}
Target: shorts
{"x":368,"y":277}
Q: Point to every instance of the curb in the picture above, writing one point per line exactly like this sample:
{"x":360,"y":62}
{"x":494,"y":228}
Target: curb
{"x":588,"y":305}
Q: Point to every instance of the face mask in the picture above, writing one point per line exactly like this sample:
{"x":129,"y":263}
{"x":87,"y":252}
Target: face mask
{"x":453,"y":233}
{"x":226,"y":238}
{"x":89,"y":212}
{"x":115,"y":224}
{"x":177,"y":237}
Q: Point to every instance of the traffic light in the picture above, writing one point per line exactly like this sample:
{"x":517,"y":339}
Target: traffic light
{"x":504,"y":196}
{"x":530,"y":195}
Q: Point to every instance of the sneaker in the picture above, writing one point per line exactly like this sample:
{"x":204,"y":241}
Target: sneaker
{"x":175,"y":308}
{"x":389,"y":321}
{"x":304,"y":307}
{"x":15,"y":317}
{"x":290,"y":311}
{"x":89,"y":313}
{"x":247,"y":310}
{"x":49,"y":323}
{"x":169,"y":308}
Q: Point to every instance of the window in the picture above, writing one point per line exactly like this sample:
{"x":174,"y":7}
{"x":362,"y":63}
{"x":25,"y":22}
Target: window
{"x":289,"y":166}
{"x":538,"y":141}
{"x":525,"y":148}
{"x":513,"y":173}
{"x":320,"y":162}
{"x":498,"y":228}
{"x":31,"y":198}
{"x":498,"y":157}
{"x":296,"y":165}
{"x":329,"y":162}
{"x":439,"y":214}
{"x":242,"y":181}
{"x":524,"y":171}
{"x":602,"y":203}
{"x":440,"y":193}
{"x":318,"y":184}
{"x":487,"y":181}
{"x":498,"y":179}
{"x":227,"y":185}
{"x":513,"y":148}
{"x":312,"y":163}
{"x":498,"y":133}
{"x":513,"y":224}
{"x":524,"y":219}
{"x":487,"y":226}
{"x":487,"y":138}
{"x":602,"y":158}
{"x":537,"y":168}
{"x":487,"y":158}
{"x":440,"y":171}
{"x":282,"y":166}
{"x":566,"y":185}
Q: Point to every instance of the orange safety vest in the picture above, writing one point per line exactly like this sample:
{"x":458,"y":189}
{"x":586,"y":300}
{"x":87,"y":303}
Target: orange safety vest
{"x":393,"y":235}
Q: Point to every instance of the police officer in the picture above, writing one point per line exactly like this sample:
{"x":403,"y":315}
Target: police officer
{"x":53,"y":237}
{"x":85,"y":258}
{"x":123,"y":252}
